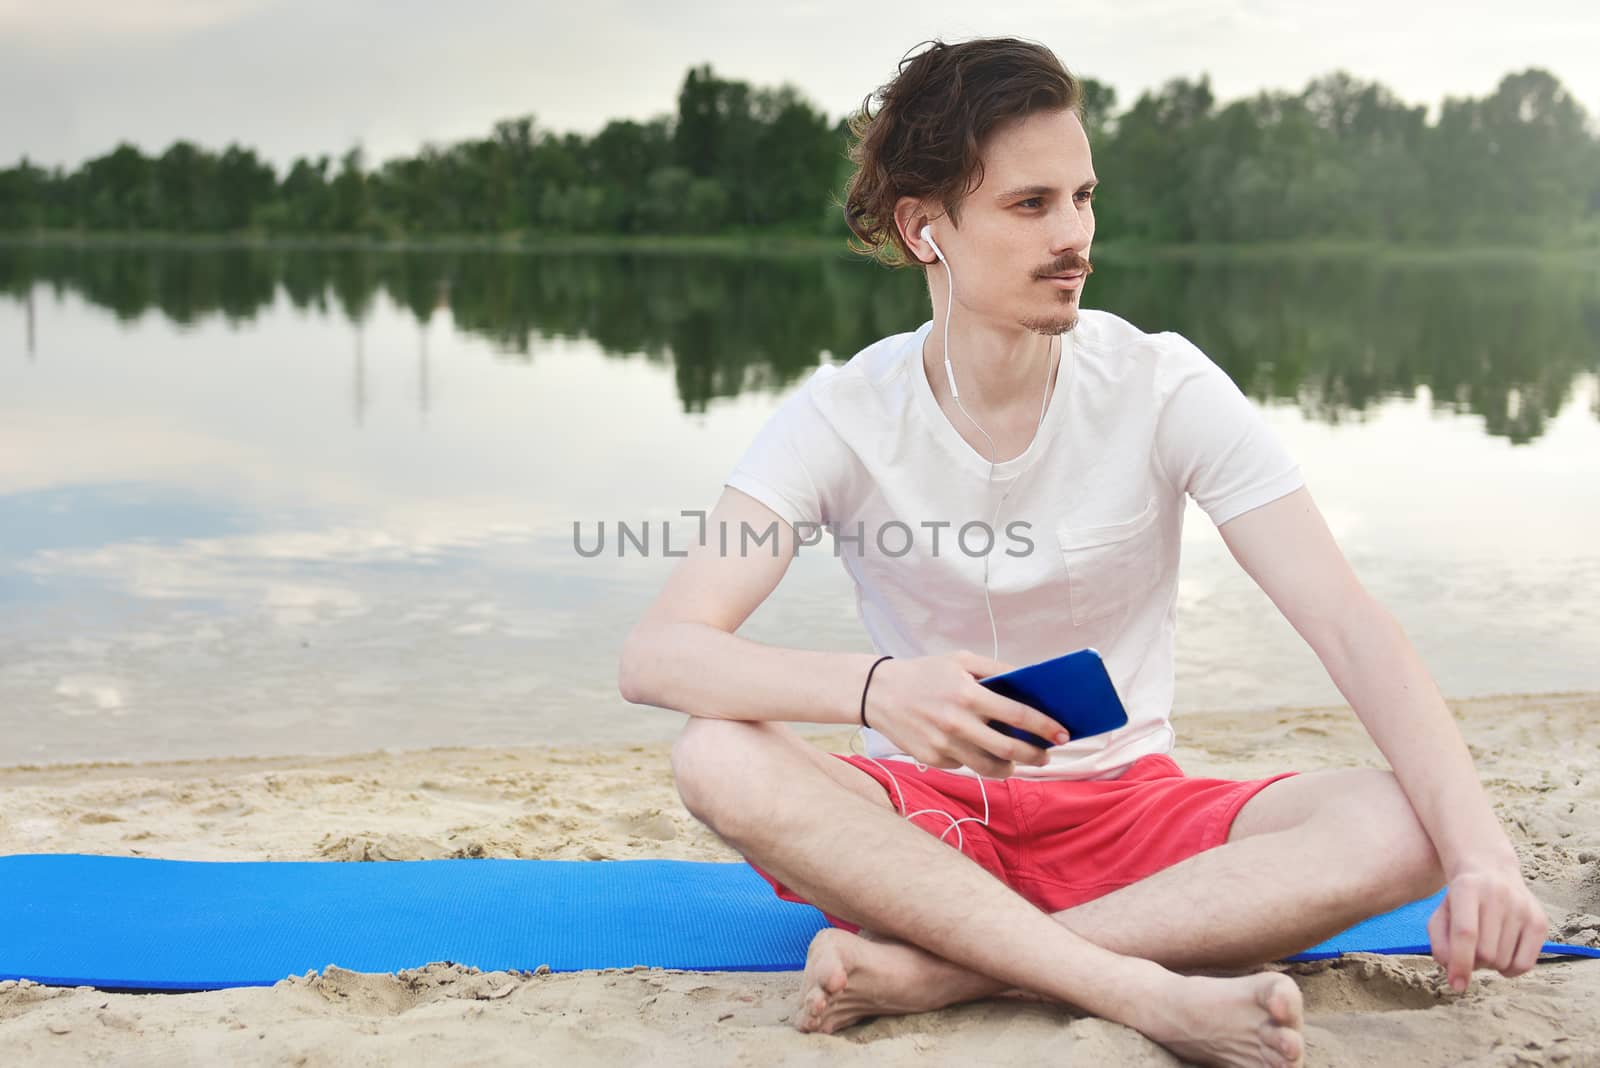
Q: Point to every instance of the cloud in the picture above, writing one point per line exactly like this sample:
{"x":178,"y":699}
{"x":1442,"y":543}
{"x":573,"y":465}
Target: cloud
{"x":100,"y":691}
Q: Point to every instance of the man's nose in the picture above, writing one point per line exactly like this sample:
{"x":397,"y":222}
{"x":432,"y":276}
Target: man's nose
{"x":1074,"y":232}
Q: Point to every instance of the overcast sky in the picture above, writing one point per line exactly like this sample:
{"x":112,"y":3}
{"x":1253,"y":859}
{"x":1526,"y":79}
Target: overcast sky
{"x":293,"y":77}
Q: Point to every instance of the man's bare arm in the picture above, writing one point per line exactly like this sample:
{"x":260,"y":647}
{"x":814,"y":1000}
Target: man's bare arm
{"x":684,"y":654}
{"x":1287,"y":548}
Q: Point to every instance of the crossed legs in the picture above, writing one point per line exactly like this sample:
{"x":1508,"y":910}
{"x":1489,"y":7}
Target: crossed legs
{"x":1307,"y":856}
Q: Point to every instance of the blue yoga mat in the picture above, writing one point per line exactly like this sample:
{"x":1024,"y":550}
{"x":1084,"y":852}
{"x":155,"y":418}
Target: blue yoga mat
{"x":148,"y":924}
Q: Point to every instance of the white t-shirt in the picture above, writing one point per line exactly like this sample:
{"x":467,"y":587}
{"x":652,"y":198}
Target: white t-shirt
{"x":1085,"y":548}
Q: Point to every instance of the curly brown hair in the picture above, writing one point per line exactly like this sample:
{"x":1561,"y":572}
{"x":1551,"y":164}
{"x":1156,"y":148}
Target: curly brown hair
{"x":926,"y":138}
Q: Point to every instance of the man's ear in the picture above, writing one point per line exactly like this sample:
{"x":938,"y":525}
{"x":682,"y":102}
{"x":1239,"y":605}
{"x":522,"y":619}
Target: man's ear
{"x":910,"y":215}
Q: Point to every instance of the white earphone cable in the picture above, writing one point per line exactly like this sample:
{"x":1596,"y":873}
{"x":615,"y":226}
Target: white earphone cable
{"x":1050,"y":365}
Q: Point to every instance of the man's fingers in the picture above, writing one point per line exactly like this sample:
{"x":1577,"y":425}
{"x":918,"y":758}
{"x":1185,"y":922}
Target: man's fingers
{"x":983,"y":762}
{"x":1438,"y":933}
{"x":982,"y":666}
{"x":1530,"y":943}
{"x":1017,"y":714}
{"x":1004,"y":709}
{"x":943,"y":763}
{"x":1505,"y":946}
{"x":1528,"y":949}
{"x":1463,"y":935}
{"x":1005,"y":747}
{"x":1493,"y":926}
{"x":1525,"y":954}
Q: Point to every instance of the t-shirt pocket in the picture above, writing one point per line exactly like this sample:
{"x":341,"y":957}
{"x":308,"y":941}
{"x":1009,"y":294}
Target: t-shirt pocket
{"x":1110,"y":564}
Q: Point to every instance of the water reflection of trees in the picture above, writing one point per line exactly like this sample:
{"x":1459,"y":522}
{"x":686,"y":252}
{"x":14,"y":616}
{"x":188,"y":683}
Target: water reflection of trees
{"x":1503,"y":341}
{"x":1334,"y":335}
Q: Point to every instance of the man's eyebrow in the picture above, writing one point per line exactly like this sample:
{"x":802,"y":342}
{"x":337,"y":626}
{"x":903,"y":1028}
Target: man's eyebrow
{"x":1025,"y":191}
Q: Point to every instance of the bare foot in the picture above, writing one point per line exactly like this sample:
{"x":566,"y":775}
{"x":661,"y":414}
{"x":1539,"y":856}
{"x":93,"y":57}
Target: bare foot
{"x":1254,"y":1020}
{"x":848,"y":978}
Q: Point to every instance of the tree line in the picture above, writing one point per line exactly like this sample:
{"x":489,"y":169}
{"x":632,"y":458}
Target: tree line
{"x":1342,"y":159}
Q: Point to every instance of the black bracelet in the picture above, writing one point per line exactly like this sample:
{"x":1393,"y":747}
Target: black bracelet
{"x":864,"y":686}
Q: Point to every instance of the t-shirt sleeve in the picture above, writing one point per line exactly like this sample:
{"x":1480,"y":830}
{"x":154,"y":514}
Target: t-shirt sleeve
{"x":1213,"y":443}
{"x":787,"y":466}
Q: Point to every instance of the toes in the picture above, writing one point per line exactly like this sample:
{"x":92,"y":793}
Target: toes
{"x":1288,"y":1045}
{"x":807,"y":1016}
{"x":1271,"y":1046}
{"x":1293,"y":1046}
{"x":1283,"y":1001}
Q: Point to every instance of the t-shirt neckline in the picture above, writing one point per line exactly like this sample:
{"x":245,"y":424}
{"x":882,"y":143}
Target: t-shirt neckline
{"x":951,"y":438}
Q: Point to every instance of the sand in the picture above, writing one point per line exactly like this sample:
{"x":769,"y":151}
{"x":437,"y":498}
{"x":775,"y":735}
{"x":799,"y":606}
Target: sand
{"x":1539,"y":756}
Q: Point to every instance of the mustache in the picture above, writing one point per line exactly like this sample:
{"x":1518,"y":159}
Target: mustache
{"x":1070,"y":262}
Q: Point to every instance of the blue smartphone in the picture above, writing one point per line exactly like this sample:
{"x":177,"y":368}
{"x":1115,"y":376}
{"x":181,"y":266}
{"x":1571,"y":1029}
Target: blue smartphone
{"x":1074,"y":690}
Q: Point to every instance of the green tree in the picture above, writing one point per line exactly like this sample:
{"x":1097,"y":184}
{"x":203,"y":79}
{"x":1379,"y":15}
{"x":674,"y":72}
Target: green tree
{"x":118,"y":191}
{"x":186,"y":189}
{"x":22,"y":196}
{"x":1099,"y":109}
{"x":1343,"y":158}
{"x":244,"y":185}
{"x":1537,"y":137}
{"x":348,"y":195}
{"x":620,"y":161}
{"x":1151,"y":158}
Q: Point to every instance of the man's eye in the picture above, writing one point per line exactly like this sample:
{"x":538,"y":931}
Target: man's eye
{"x":1031,"y":202}
{"x":1086,"y":195}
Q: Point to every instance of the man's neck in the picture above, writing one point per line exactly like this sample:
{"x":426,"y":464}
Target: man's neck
{"x":997,"y":370}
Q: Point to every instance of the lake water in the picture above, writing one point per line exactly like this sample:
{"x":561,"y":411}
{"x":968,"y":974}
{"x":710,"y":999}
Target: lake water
{"x":287,"y":501}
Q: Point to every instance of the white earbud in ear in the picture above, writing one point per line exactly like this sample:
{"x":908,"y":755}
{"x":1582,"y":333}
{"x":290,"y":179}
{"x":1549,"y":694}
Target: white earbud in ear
{"x":949,"y":372}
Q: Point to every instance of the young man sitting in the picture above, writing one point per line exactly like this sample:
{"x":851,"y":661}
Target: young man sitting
{"x":955,"y":862}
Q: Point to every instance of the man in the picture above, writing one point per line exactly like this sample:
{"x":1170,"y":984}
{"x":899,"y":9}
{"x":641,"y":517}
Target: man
{"x":955,"y":862}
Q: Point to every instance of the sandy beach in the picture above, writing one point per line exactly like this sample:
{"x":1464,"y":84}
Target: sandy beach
{"x":1539,"y":756}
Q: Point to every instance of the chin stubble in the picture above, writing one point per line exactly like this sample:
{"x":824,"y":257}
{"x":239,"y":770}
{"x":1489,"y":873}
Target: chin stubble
{"x":1050,"y":327}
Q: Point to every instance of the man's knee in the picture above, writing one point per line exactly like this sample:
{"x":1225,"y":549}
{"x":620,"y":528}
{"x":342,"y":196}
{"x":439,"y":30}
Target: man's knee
{"x":1380,"y":827}
{"x":713,"y":761}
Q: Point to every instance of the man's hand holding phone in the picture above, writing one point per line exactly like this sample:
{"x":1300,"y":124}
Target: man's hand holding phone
{"x":933,"y":708}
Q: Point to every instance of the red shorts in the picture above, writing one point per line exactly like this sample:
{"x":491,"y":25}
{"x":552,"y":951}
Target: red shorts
{"x":1061,"y":843}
